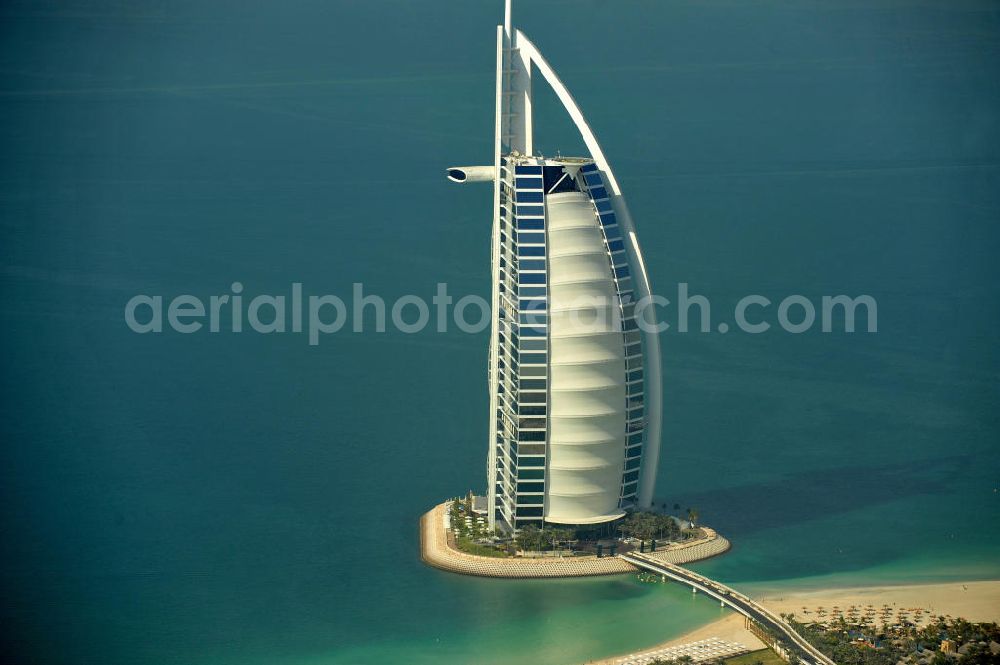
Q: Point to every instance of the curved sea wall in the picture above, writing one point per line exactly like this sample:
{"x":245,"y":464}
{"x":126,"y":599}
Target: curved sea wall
{"x":437,"y":549}
{"x":704,"y":548}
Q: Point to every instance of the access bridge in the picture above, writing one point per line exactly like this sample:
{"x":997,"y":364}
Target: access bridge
{"x":788,"y":642}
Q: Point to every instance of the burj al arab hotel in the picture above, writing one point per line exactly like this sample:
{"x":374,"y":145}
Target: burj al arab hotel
{"x":574,"y":382}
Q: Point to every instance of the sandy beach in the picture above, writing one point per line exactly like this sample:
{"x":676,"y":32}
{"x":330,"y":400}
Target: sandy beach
{"x":975,"y":601}
{"x":730,"y":629}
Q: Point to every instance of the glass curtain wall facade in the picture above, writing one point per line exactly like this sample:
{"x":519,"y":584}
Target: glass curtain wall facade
{"x":568,"y":373}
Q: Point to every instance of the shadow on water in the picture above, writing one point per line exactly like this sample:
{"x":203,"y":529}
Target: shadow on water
{"x":795,"y":498}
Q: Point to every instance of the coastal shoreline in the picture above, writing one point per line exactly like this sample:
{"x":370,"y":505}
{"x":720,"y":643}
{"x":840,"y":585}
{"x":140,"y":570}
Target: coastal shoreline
{"x":730,"y":628}
{"x":976,"y":601}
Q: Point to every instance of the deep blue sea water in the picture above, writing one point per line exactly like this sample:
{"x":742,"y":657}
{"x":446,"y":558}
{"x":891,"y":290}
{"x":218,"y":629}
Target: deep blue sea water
{"x":248,"y":498}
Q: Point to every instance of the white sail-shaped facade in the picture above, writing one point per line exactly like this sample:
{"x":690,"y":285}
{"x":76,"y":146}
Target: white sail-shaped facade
{"x":586,"y":442}
{"x":574,"y":385}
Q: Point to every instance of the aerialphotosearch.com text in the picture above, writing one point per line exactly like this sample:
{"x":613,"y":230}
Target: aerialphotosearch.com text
{"x":318,"y":315}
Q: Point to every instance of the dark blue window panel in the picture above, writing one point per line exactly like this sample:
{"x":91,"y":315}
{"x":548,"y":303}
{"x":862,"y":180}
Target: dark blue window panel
{"x":532,"y":318}
{"x":531,"y":461}
{"x":634,"y":452}
{"x":588,"y":168}
{"x":528,"y":183}
{"x":530,"y":331}
{"x":603,"y":206}
{"x":635,"y":413}
{"x":530,"y":474}
{"x":532,"y":264}
{"x":532,"y":278}
{"x":534,"y":384}
{"x":634,"y":439}
{"x":531,"y":305}
{"x":530,"y":224}
{"x":616,"y":245}
{"x":634,"y":376}
{"x":608,"y":218}
{"x":531,"y":487}
{"x":530,"y":238}
{"x":527,"y":169}
{"x":629,"y":489}
{"x":612,"y":232}
{"x":531,"y":291}
{"x":533,"y":359}
{"x":529,"y":197}
{"x":598,"y":193}
{"x":531,"y":251}
{"x":633,"y":463}
{"x":532,"y":499}
{"x":531,"y":436}
{"x":593,"y":179}
{"x":631,"y":476}
{"x":533,"y":410}
{"x":527,"y":512}
{"x":620,"y":271}
{"x":530,"y":209}
{"x":630,"y":324}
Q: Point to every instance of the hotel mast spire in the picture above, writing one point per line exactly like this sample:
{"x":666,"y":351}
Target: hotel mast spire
{"x":514,"y":89}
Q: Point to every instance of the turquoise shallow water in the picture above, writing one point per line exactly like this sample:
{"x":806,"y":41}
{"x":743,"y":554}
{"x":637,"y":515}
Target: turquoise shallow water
{"x":242,"y":498}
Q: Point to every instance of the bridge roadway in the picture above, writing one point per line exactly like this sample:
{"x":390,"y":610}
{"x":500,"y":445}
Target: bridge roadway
{"x":789,"y":639}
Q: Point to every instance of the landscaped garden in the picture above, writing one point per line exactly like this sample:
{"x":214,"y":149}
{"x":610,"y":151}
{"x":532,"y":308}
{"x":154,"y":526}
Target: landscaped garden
{"x":642,"y":530}
{"x":859,"y":639}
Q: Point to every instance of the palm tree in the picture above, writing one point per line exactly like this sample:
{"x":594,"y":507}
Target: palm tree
{"x":529,"y":538}
{"x":560,"y":536}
